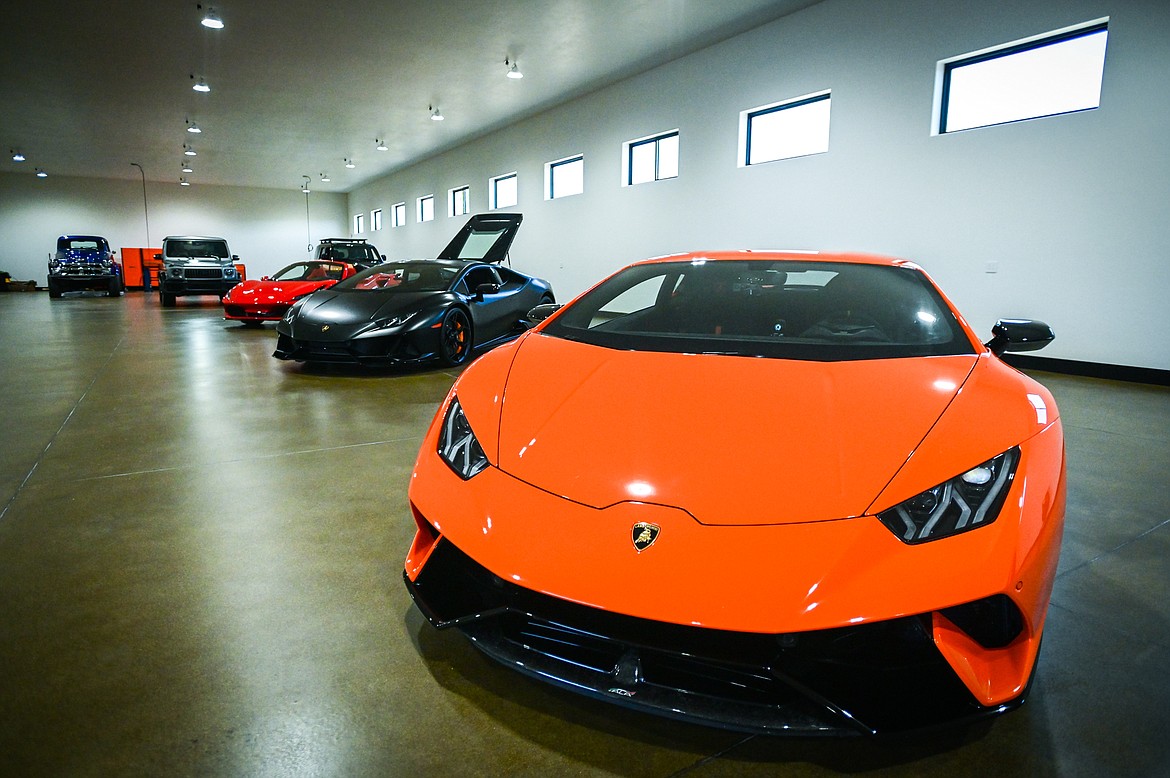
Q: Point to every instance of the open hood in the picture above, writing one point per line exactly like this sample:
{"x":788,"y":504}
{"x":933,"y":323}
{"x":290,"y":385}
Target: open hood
{"x":486,"y":237}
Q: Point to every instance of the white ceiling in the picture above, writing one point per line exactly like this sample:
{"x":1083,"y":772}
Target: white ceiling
{"x":89,"y":87}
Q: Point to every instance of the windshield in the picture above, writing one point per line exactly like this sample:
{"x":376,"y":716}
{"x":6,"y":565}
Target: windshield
{"x":79,"y":244}
{"x":196,"y":248}
{"x":766,"y":308}
{"x":404,"y":276}
{"x":310,"y":271}
{"x":346,"y":252}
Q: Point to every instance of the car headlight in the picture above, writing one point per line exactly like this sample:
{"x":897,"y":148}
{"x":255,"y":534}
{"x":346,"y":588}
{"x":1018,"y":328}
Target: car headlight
{"x":229,"y":272}
{"x":293,"y":310}
{"x":395,"y":321}
{"x":458,"y":446}
{"x":963,"y":503}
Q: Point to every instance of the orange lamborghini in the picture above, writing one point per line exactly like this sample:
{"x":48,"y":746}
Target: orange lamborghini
{"x":778,"y":492}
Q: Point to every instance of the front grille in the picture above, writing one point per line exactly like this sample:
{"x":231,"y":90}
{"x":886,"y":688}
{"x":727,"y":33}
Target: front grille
{"x":83,"y":270}
{"x":203,"y":272}
{"x":877,"y":677}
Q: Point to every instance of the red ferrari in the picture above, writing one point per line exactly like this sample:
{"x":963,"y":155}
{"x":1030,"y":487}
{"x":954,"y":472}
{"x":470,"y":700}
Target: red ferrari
{"x":255,"y":302}
{"x":777,"y":492}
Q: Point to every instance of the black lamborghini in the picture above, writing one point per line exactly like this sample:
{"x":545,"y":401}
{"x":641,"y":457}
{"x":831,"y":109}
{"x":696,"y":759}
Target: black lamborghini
{"x":414,"y":310}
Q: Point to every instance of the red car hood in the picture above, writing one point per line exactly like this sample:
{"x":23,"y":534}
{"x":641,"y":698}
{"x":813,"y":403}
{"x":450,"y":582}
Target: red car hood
{"x":730,"y":440}
{"x":276,"y":291}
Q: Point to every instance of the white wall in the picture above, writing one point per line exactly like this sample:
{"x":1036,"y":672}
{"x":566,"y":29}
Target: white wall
{"x":1071,"y":208}
{"x":265,"y":227}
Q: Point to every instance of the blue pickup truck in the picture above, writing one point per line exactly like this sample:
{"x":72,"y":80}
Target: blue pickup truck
{"x":84,"y":262}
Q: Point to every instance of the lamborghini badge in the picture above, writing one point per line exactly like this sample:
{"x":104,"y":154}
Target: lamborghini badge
{"x":644,"y":534}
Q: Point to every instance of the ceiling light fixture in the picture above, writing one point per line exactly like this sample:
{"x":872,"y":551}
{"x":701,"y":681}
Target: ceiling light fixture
{"x":184,"y":182}
{"x":382,"y":146}
{"x":193,"y":127}
{"x":305,"y":186}
{"x":16,"y":156}
{"x":210,"y":20}
{"x":189,"y":151}
{"x":513,"y":69}
{"x":349,"y":164}
{"x":200,"y":85}
{"x":41,"y":173}
{"x":187,"y":168}
{"x":324,"y":178}
{"x":436,"y":116}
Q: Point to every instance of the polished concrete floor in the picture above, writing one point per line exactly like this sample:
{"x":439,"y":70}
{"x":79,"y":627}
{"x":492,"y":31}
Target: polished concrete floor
{"x":200,"y":556}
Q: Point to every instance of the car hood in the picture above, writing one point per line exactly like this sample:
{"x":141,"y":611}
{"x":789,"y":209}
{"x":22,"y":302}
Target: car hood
{"x":730,"y":440}
{"x":347,"y":311}
{"x":277,"y":290}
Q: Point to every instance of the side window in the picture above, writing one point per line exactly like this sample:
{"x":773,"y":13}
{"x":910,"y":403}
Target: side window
{"x":481,"y":275}
{"x":638,"y":297}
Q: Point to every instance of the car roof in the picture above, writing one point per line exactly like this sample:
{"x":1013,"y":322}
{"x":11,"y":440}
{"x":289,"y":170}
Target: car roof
{"x":193,"y":237}
{"x":782,"y":255}
{"x":81,"y":237}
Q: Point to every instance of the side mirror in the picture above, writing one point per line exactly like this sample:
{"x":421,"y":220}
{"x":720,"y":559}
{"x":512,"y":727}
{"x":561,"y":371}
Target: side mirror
{"x":1019,"y":335}
{"x":540,"y":313}
{"x":383,"y":257}
{"x":235,"y":257}
{"x":483,"y":289}
{"x":265,"y":278}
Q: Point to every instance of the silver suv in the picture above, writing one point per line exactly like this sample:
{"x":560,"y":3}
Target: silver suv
{"x":194,"y":264}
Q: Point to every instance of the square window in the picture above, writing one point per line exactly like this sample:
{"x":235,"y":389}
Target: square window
{"x":1059,"y":72}
{"x":793,"y":128}
{"x":502,"y":191}
{"x":376,"y":220}
{"x":650,"y":159}
{"x":359,"y":223}
{"x":398,"y":215}
{"x":426,"y":208}
{"x":459,"y":201}
{"x":565,"y":177}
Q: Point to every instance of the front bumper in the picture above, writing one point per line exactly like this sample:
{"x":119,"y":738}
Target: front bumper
{"x":243,"y":312}
{"x":396,"y":349}
{"x":190,"y":286}
{"x":866,"y":679}
{"x":85,"y":280}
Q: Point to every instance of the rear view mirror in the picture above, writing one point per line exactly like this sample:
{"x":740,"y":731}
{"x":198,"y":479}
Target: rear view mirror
{"x":483,"y":289}
{"x":1019,"y":335}
{"x":540,"y":313}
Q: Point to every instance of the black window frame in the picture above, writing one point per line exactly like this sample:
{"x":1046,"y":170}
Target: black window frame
{"x":656,"y":140}
{"x":552,"y":177}
{"x":1043,"y":41}
{"x":495,"y":190}
{"x":786,"y":106}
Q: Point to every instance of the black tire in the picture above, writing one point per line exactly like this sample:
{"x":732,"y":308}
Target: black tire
{"x":115,"y":288}
{"x":167,"y":300}
{"x":455,"y":338}
{"x":54,"y":290}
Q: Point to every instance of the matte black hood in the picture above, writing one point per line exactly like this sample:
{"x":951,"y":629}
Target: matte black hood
{"x":348,"y":311}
